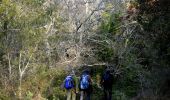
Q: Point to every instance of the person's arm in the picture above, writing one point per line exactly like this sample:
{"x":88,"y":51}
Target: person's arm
{"x":74,"y":82}
{"x":91,"y":81}
{"x":91,"y":84}
{"x":77,"y":79}
{"x":101,"y":80}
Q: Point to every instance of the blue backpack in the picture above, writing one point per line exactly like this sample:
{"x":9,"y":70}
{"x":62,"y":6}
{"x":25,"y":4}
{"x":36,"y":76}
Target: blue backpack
{"x":84,"y":83}
{"x":68,"y":82}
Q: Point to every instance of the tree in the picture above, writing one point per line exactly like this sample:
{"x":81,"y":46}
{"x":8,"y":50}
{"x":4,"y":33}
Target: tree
{"x":22,"y":32}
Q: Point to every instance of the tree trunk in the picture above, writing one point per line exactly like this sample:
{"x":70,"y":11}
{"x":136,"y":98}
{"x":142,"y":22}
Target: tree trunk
{"x":20,"y":87}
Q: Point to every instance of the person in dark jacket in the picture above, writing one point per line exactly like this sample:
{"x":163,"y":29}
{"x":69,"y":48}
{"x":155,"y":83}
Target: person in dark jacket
{"x":107,"y":82}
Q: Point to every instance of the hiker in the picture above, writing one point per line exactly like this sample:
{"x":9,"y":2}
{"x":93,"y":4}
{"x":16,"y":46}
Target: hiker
{"x":107,"y":82}
{"x":70,"y":86}
{"x":85,"y":85}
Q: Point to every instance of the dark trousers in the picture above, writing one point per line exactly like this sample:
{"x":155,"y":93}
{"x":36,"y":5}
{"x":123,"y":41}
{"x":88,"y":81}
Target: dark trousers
{"x":85,"y":95}
{"x":107,"y":93}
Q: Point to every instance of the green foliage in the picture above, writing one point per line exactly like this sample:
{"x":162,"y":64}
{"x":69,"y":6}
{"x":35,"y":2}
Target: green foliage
{"x":108,"y":30}
{"x":123,"y":50}
{"x":21,"y":32}
{"x":29,"y":95}
{"x":4,"y":96}
{"x":156,"y":27}
{"x":119,"y":95}
{"x":105,"y":54}
{"x":110,"y":23}
{"x":33,"y":3}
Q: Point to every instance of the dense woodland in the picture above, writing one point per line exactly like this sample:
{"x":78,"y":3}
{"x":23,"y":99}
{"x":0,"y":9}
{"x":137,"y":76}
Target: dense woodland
{"x":42,"y":40}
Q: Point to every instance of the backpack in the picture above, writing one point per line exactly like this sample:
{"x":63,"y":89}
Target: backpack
{"x":106,"y":76}
{"x":84,"y":83}
{"x":68,"y":82}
